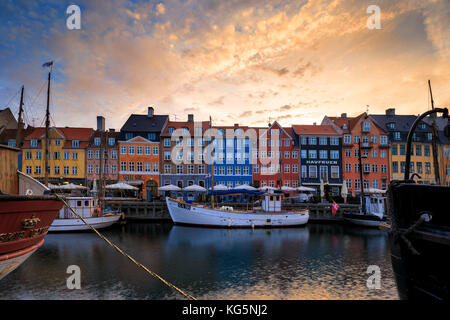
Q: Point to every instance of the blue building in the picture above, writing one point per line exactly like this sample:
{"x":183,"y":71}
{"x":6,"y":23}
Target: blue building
{"x":232,"y":157}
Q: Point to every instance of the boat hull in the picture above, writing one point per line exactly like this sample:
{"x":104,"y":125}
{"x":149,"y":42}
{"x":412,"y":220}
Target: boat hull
{"x":74,"y":224}
{"x":188,"y":214}
{"x":363,"y":220}
{"x":24,"y":222}
{"x":419,"y":263}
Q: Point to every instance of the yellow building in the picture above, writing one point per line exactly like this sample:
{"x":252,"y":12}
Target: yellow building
{"x":398,"y":127}
{"x":66,"y":154}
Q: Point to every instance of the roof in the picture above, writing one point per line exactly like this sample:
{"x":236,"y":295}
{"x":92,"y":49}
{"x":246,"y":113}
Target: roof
{"x":184,"y":124}
{"x":7,"y":119}
{"x":108,"y":134}
{"x":441,"y":123}
{"x":402,"y":122}
{"x":312,"y":129}
{"x":144,"y":123}
{"x":68,"y":133}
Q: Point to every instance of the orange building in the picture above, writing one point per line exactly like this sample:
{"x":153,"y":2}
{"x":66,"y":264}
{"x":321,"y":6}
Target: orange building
{"x":139,"y":165}
{"x":374,"y":151}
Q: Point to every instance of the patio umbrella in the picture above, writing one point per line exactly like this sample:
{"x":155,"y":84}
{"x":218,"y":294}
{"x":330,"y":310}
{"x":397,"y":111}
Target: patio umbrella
{"x":322,"y":190}
{"x":267,"y":188}
{"x":169,"y":187}
{"x":194,"y":187}
{"x":302,"y":188}
{"x":344,"y":191}
{"x":69,"y":186}
{"x":121,"y":186}
{"x":219,"y":187}
{"x":286,"y":188}
{"x":245,"y":187}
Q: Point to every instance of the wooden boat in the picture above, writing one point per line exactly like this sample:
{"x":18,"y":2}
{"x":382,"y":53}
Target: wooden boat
{"x":24,"y":219}
{"x":420,"y":232}
{"x":87,"y":208}
{"x":270,"y":215}
{"x":373,"y":213}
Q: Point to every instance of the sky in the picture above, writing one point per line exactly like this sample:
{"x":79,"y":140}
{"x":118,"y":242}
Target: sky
{"x":239,"y":61}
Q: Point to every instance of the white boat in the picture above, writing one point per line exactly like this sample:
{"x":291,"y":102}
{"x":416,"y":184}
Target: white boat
{"x":270,"y":214}
{"x":373,"y":214}
{"x":87,"y":208}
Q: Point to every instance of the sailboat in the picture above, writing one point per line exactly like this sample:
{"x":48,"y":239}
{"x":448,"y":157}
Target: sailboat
{"x":420,"y":231}
{"x":373,"y":202}
{"x":269,"y":215}
{"x":91,"y":209}
{"x":24,"y":218}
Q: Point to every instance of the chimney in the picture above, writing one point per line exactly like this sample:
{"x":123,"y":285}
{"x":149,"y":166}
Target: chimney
{"x":390,"y":112}
{"x":236,"y":125}
{"x":112,"y":130}
{"x":100,"y":123}
{"x":343,"y":115}
{"x":150,"y":112}
{"x":190,"y":118}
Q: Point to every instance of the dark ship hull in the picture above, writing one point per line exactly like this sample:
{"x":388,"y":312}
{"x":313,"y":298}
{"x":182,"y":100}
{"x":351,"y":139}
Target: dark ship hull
{"x":420,"y":249}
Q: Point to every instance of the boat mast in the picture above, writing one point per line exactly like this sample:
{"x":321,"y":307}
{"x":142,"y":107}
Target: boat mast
{"x":434,"y":136}
{"x":363,"y":199}
{"x":100,"y":184}
{"x":47,"y":125}
{"x":212,"y":166}
{"x":20,"y":124}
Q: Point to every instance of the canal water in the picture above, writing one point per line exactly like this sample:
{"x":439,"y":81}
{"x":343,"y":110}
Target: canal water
{"x":313,"y":262}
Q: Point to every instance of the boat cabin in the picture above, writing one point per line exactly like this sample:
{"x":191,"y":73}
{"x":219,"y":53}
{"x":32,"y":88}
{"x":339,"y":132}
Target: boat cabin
{"x":272,"y":202}
{"x":84,"y":206}
{"x":375,"y":204}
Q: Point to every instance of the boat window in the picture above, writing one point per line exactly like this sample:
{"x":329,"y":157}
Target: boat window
{"x":86,"y":203}
{"x":79,"y":203}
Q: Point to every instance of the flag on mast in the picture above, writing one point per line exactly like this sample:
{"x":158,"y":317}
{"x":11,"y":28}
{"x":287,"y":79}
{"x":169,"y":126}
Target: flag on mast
{"x":47,"y":64}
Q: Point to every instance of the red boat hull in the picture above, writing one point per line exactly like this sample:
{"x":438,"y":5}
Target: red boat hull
{"x":24,"y":221}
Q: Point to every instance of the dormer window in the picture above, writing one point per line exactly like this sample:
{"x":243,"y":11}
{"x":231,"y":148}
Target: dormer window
{"x":97,"y":141}
{"x":34,"y":143}
{"x":111,"y":141}
{"x":171,"y":130}
{"x":344,"y":127}
{"x":422,"y":126}
{"x":391,"y":125}
{"x":75,"y":143}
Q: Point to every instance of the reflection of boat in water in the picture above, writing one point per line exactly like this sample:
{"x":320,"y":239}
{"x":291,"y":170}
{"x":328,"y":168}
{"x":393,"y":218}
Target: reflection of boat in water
{"x":270,"y":215}
{"x":185,"y":235}
{"x":420,"y":235}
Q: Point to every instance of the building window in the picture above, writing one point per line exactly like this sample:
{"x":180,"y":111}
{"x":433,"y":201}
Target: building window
{"x":312,"y":154}
{"x":334,"y":141}
{"x":28,"y":170}
{"x":334,"y":154}
{"x":148,"y":167}
{"x":348,"y":167}
{"x":75,"y":143}
{"x":201,"y":169}
{"x":355,"y":139}
{"x":123,"y":166}
{"x":155,"y":166}
{"x":357,"y":184}
{"x":323,"y":173}
{"x":366,"y":126}
{"x":394,"y":149}
{"x":74,"y":155}
{"x":90,"y":154}
{"x":323,"y":154}
{"x":323,"y":141}
{"x":295,"y":168}
{"x":74,"y":171}
{"x":396,"y":135}
{"x":334,"y":172}
{"x":37,"y":170}
{"x":166,"y":142}
{"x":418,"y":150}
{"x":312,"y":140}
{"x":403,"y":150}
{"x":246,"y":170}
{"x":427,"y":168}
{"x":303,"y":154}
{"x":179,"y":169}
{"x":130,"y":149}
{"x":96,"y":141}
{"x":97,"y":154}
{"x":394,"y":166}
{"x":28,"y":155}
{"x":295,"y":154}
{"x":426,"y":150}
{"x":139,"y":150}
{"x":349,"y":183}
{"x":384,"y":168}
{"x":304,"y":172}
{"x":313,"y":171}
{"x":113,"y":169}
{"x":123,"y":149}
{"x":34,"y":143}
{"x":383,"y":154}
{"x":167,"y":169}
{"x":66,"y":170}
{"x":56,"y":169}
{"x":347,"y":139}
{"x":155,"y":150}
{"x":139,"y":166}
{"x":383,"y":140}
{"x":131,"y":166}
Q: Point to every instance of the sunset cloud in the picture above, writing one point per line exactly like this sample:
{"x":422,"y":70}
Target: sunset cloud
{"x":294,"y":61}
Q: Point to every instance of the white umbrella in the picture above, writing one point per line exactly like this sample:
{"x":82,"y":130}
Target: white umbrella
{"x":169,"y":187}
{"x":245,"y":187}
{"x":286,"y":188}
{"x":322,"y":190}
{"x":69,"y":186}
{"x":267,"y":188}
{"x":194,"y":187}
{"x":121,"y":186}
{"x":302,"y":188}
{"x":219,"y":187}
{"x":344,"y":191}
{"x":94,"y":186}
{"x":372,"y":190}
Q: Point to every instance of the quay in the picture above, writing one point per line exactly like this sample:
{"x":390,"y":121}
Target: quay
{"x":156,"y":211}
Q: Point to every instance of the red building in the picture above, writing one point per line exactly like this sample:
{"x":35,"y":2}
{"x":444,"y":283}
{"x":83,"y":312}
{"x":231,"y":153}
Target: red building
{"x":374,"y":151}
{"x":276,"y":162}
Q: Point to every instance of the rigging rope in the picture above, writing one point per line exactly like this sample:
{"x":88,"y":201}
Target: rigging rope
{"x":126,"y":254}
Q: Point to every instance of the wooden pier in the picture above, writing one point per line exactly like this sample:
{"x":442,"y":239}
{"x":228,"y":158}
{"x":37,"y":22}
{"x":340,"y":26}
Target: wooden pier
{"x":157,"y":210}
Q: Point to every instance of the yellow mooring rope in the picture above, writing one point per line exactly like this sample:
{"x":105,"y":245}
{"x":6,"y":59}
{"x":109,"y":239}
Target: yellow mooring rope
{"x":126,"y":254}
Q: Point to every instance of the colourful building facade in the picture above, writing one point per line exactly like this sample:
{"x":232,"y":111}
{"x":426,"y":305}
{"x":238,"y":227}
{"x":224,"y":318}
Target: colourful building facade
{"x":66,"y":154}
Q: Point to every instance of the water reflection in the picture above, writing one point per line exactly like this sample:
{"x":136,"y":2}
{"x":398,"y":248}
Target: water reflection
{"x":312,"y":262}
